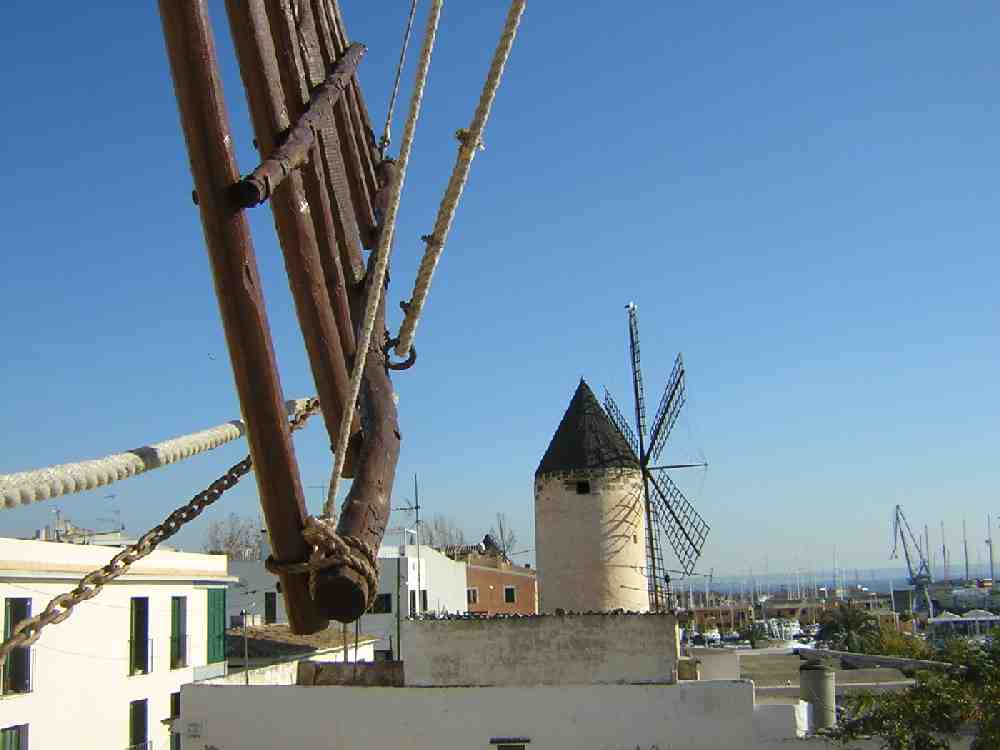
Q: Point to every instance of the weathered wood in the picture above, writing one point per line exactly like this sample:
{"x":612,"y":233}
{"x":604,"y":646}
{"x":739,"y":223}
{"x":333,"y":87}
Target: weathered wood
{"x":271,"y":113}
{"x":357,"y":158}
{"x":191,"y":51}
{"x":297,"y":146}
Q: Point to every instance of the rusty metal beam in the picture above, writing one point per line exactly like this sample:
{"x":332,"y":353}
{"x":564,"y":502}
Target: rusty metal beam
{"x":272,"y":114}
{"x":191,"y":50}
{"x":297,"y":146}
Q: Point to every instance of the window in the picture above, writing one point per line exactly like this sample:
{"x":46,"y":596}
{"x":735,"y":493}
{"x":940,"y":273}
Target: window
{"x":17,"y":668}
{"x":270,"y":607}
{"x":509,"y":743}
{"x":175,"y":711}
{"x":14,"y":738}
{"x":216,"y":625}
{"x":382,"y":605}
{"x":583,"y":488}
{"x":138,"y":646}
{"x":472,"y":596}
{"x":383,"y":654}
{"x":423,"y":600}
{"x":178,"y":632}
{"x":509,"y":594}
{"x":138,"y":725}
{"x":413,"y":603}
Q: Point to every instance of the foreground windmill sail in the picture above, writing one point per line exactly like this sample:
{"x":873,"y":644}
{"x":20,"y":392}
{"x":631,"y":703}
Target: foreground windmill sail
{"x":668,"y":512}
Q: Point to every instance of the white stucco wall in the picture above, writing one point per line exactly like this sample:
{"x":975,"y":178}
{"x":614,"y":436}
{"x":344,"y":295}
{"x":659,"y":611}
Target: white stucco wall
{"x":591,"y":549}
{"x":442,"y":578}
{"x":80,"y":684}
{"x":285,"y":672}
{"x":690,"y":716}
{"x":543,"y":650}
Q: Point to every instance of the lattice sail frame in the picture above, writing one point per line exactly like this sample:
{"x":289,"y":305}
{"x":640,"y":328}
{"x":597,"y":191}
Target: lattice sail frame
{"x":671,"y":514}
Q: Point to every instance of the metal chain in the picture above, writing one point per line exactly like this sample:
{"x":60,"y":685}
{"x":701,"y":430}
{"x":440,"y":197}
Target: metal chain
{"x":28,"y":631}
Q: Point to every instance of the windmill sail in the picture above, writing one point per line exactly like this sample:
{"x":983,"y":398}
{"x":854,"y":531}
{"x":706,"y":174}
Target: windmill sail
{"x":669,"y":409}
{"x":620,"y":423}
{"x":684,"y":528}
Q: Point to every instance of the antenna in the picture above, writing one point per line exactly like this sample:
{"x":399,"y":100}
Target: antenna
{"x":668,"y":513}
{"x":965,"y":542}
{"x":989,"y":542}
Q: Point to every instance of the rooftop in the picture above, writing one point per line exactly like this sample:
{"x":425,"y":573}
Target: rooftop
{"x":279,"y":640}
{"x":586,"y":439}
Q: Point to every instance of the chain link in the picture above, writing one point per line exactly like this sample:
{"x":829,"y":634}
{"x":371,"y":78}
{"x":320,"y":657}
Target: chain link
{"x":28,"y":631}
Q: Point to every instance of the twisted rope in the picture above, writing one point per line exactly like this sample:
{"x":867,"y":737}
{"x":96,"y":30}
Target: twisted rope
{"x":26,"y":632}
{"x":330,"y":550}
{"x":386,"y":134}
{"x":376,"y":279}
{"x":470,"y":142}
{"x":24,"y":487}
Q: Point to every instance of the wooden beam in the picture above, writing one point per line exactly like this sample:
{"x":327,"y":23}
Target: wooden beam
{"x":191,"y":50}
{"x":294,"y":214}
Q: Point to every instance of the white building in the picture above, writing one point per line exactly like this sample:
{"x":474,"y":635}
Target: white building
{"x":110,"y":674}
{"x":521,"y":683}
{"x":442,"y":585}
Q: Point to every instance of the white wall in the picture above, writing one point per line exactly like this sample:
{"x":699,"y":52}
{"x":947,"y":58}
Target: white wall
{"x":80,"y":684}
{"x":590,"y":549}
{"x":444,"y":580}
{"x":285,"y":673}
{"x":690,"y":715}
{"x":542,"y":650}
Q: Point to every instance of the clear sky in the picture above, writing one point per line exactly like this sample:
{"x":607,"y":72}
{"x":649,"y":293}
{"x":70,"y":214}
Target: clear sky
{"x":801,"y":197}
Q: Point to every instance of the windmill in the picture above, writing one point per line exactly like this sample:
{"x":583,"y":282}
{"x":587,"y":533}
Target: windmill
{"x":668,"y":513}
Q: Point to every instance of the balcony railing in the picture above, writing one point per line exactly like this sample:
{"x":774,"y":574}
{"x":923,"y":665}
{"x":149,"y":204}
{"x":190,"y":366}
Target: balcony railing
{"x":147,"y":745}
{"x":140,"y":656}
{"x":180,"y":648}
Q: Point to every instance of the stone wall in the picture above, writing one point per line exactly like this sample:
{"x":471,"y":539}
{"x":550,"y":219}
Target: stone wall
{"x":590,"y":547}
{"x":542,"y":650}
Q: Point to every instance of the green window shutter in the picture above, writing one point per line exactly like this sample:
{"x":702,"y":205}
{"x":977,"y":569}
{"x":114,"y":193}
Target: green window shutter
{"x":216,"y":625}
{"x":178,"y":631}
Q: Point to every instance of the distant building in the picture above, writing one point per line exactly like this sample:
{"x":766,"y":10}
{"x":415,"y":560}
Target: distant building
{"x":495,"y":585}
{"x":109,"y":674}
{"x":590,"y":531}
{"x":442,"y":587}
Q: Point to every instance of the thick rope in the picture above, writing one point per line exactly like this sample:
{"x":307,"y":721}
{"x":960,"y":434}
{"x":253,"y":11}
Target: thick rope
{"x":387,"y":131}
{"x":471,"y":141}
{"x":376,"y":278}
{"x":26,"y":487}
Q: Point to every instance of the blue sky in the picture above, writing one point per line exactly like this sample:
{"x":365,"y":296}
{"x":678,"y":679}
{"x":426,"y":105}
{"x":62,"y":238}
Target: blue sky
{"x":801,"y":198}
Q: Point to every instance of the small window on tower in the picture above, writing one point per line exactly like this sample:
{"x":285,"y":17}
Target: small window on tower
{"x":583,"y":488}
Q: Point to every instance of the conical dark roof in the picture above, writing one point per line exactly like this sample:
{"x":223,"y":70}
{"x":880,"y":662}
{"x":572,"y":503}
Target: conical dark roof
{"x":586,"y":438}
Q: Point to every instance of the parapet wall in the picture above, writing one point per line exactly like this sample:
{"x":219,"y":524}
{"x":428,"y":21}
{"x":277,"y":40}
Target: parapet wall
{"x":585,"y":649}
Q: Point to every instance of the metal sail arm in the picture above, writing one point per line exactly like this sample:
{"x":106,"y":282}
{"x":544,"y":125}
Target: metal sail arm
{"x":637,"y":388}
{"x":673,"y":399}
{"x":620,"y":423}
{"x":685,"y":529}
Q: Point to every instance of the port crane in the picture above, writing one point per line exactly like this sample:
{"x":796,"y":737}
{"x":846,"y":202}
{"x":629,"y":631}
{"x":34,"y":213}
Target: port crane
{"x":920,"y":578}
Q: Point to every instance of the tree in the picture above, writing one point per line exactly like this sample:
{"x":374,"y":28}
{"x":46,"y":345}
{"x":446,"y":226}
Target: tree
{"x":441,"y":532}
{"x":848,"y":628}
{"x":234,"y":536}
{"x":503,"y":535}
{"x":938,"y":707}
{"x":753,"y":632}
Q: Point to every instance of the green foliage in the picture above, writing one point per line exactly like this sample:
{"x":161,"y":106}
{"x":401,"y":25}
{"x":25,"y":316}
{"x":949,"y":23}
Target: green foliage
{"x":889,"y":642}
{"x":940,"y":704}
{"x":849,"y":628}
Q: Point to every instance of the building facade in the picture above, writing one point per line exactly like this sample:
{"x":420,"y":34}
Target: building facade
{"x":110,"y":673}
{"x":495,"y":585}
{"x":590,"y":531}
{"x":440,"y":581}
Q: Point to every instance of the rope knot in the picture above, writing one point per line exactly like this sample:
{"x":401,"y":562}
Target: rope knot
{"x":464,"y":136}
{"x":330,"y":550}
